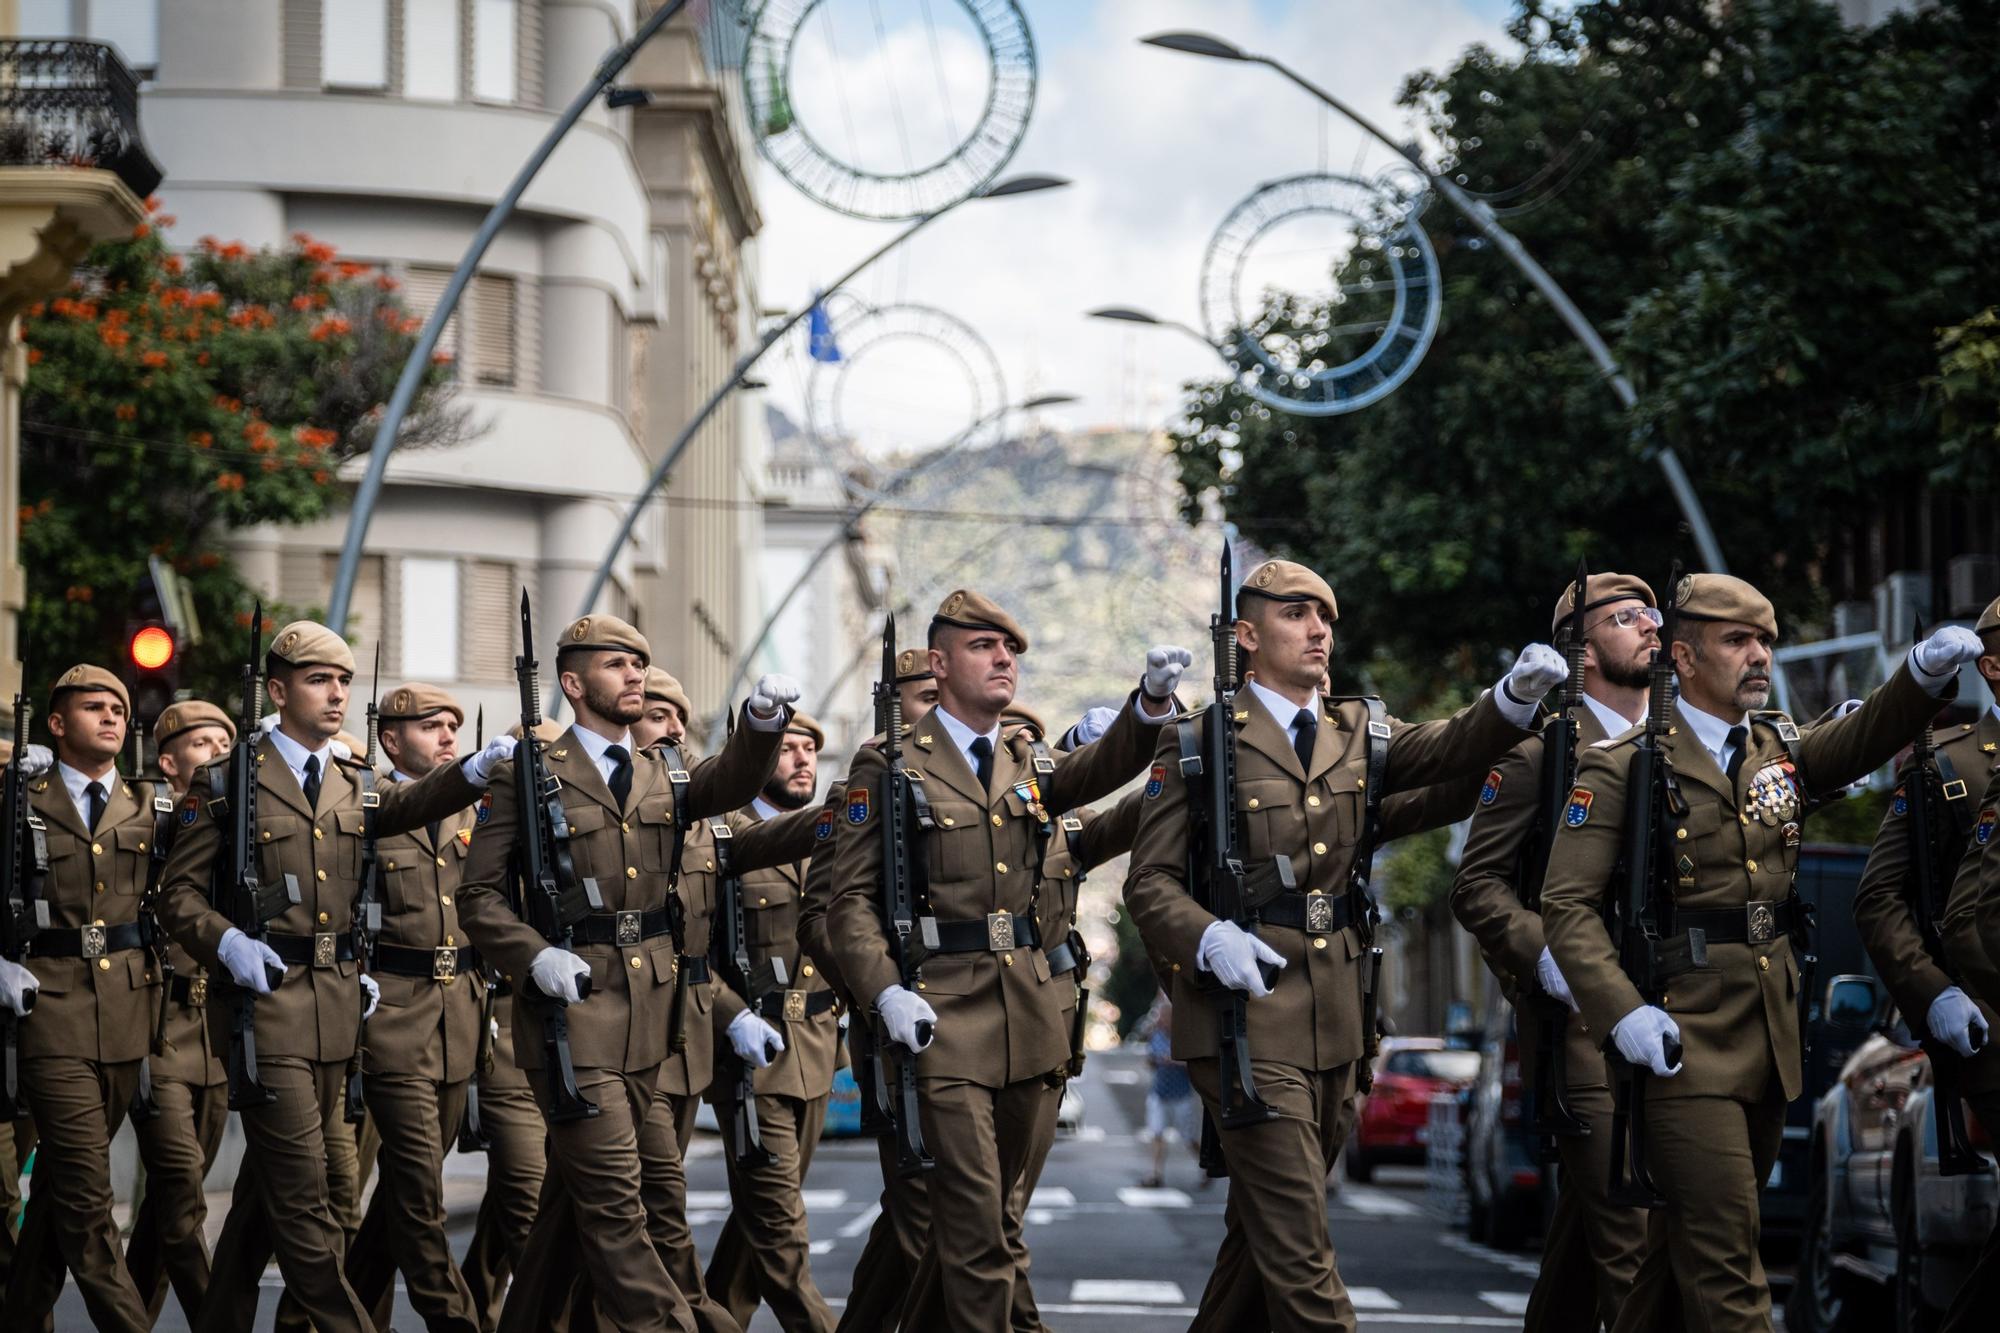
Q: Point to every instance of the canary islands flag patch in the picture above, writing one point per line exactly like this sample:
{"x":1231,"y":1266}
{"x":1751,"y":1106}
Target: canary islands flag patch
{"x":1157,"y":782}
{"x":1901,"y":805}
{"x":1490,"y":793}
{"x":857,"y":806}
{"x":1988,"y":817}
{"x":1577,"y":814}
{"x":823,"y":826}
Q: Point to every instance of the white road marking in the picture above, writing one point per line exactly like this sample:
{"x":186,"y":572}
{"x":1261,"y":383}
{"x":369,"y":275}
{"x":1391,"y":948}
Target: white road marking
{"x":1092,"y":1134}
{"x":1125,"y":1291}
{"x":1513,"y":1263}
{"x":1375,"y":1203}
{"x":1399,"y":1318}
{"x":1372,"y":1298}
{"x":820,"y":1246}
{"x":861,"y":1224}
{"x":1506,"y":1302}
{"x":708,"y":1199}
{"x":823,"y":1200}
{"x":1051,"y":1196}
{"x":1134,"y":1197}
{"x":1038,"y":1217}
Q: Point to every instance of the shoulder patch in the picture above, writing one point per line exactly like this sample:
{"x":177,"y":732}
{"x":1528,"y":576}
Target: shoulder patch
{"x":823,"y":826}
{"x":485,"y":807}
{"x":1982,"y":833}
{"x":1899,"y":804}
{"x":190,"y":807}
{"x":857,"y":806}
{"x":1577,"y":813}
{"x":1157,"y":781}
{"x":1490,"y":791}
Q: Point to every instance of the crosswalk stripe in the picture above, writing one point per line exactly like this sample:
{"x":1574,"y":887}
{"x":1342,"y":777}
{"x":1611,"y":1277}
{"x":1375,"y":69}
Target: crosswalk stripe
{"x":1513,"y":1263}
{"x":1124,"y":1291}
{"x":708,"y":1200}
{"x":820,"y":1246}
{"x":825,"y":1200}
{"x":1051,"y":1196}
{"x":1375,"y":1203}
{"x":1372,"y":1298}
{"x":1134,"y":1197}
{"x":1119,"y":1078}
{"x":863,"y":1222}
{"x":1506,"y":1302}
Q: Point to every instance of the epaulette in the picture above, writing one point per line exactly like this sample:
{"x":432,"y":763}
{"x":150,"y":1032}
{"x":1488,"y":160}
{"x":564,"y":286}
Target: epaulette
{"x":352,"y":761}
{"x":1630,"y":733}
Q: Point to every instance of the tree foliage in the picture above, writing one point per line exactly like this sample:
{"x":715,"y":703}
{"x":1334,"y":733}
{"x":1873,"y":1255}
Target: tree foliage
{"x":1787,"y":230}
{"x":173,"y":398}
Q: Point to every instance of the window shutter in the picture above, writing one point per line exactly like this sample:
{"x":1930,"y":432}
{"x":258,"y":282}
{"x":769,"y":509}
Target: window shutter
{"x":301,"y":41}
{"x":489,"y":619}
{"x":493,"y":328}
{"x":423,"y":288}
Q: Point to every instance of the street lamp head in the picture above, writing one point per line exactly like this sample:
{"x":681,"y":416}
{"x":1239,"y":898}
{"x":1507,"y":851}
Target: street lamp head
{"x":1197,"y":44}
{"x":1048,"y":400}
{"x":1123,"y":314}
{"x":619,"y":98}
{"x":1023,"y":185}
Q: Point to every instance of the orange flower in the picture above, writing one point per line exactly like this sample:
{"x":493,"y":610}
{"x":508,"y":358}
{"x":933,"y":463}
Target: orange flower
{"x":271,"y":465}
{"x":302,"y":302}
{"x":229,"y":481}
{"x":173,"y":266}
{"x":209,"y":560}
{"x":34,"y":356}
{"x":330,"y":327}
{"x":201,"y":439}
{"x":114,"y":337}
{"x":234,"y":250}
{"x":26,"y":515}
{"x":126,"y":412}
{"x":154,"y":360}
{"x":77,"y":592}
{"x":441,"y":358}
{"x":139,"y":231}
{"x":351,"y":269}
{"x":206,"y":300}
{"x":209,"y":245}
{"x":152,"y":203}
{"x":201,"y":358}
{"x":321,"y":476}
{"x":387,"y":283}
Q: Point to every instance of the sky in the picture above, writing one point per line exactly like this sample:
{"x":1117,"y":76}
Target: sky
{"x":1160,"y":147}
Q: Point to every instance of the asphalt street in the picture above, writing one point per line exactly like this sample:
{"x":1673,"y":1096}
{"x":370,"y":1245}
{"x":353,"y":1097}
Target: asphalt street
{"x":1108,"y":1255}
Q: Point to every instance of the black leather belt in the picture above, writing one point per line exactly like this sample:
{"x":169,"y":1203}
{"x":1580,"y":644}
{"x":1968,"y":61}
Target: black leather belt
{"x":1755,"y":923}
{"x":87,"y":942}
{"x":444,"y":963}
{"x":1063,"y":959}
{"x":696,"y":969}
{"x":795,"y":1005}
{"x":996,"y":933}
{"x":622,"y":929}
{"x":1314,"y":913}
{"x":322,"y":950}
{"x":189,"y":992}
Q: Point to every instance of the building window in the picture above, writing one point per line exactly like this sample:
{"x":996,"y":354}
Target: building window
{"x":133,"y":26}
{"x":430,"y":619}
{"x":354,"y":43}
{"x":423,"y":288}
{"x":493,"y":327}
{"x":46,"y":18}
{"x":493,"y":50}
{"x":430,"y":50}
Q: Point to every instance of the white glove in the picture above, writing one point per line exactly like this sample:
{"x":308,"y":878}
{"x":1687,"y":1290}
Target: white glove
{"x":17,"y":983}
{"x":374,"y":997}
{"x":771,"y":696}
{"x":246,"y":959}
{"x":901,"y":1011}
{"x":1551,"y":979}
{"x":1952,"y":1018}
{"x":1536,"y":671}
{"x":757,"y":1043}
{"x":1232,"y":954}
{"x":1093,"y":724}
{"x":1639,"y":1035}
{"x":555,"y":972}
{"x":36,"y":760}
{"x":1164,"y":664}
{"x":1944,"y":652}
{"x":478,"y":769}
{"x":267,"y":723}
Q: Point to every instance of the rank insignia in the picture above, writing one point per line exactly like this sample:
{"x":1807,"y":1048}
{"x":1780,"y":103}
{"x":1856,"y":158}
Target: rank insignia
{"x":465,"y":836}
{"x":485,"y":808}
{"x":1792,"y":833}
{"x":857,"y":806}
{"x":1490,"y":793}
{"x":1900,"y":806}
{"x":823,"y":826}
{"x":1157,"y":781}
{"x":1577,"y":814}
{"x":1983,"y":833}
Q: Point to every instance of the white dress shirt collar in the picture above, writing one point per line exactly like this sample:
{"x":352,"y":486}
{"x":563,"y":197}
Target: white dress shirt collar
{"x":74,"y":783}
{"x":963,"y":736}
{"x":764,"y":809}
{"x":595,"y":745}
{"x":1283,"y":710}
{"x":1610,"y":719}
{"x":1711,"y":731}
{"x":295,"y":755}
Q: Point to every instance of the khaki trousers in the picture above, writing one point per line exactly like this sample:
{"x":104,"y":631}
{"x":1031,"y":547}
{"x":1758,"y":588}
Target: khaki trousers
{"x":1974,"y":1305}
{"x":1026,"y":1316}
{"x":981,"y":1139}
{"x":889,"y":1257}
{"x":78,"y":1105}
{"x":178,"y":1147}
{"x":662,"y":1142}
{"x":17,"y":1140}
{"x":763,"y":1253}
{"x":404,"y":1225}
{"x":516,"y":1162}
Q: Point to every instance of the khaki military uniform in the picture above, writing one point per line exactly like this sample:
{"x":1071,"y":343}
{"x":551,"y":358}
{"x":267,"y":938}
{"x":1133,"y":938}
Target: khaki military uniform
{"x":516,"y":1163}
{"x":81,"y":1049}
{"x":1715,"y":1126}
{"x":419,"y":1057}
{"x":306,"y":1029}
{"x":993,"y":1075}
{"x":594,"y":1199}
{"x":1972,"y":946}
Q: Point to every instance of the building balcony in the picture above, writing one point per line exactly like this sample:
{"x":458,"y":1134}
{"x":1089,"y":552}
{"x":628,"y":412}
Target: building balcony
{"x":72,"y":105}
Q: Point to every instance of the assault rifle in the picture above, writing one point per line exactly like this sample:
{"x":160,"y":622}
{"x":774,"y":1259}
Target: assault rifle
{"x":1553,"y":1117}
{"x":144,"y":1107}
{"x":1641,"y":887}
{"x":24,"y":860}
{"x":746,"y":1144}
{"x":367,"y":927}
{"x":896,"y":1078}
{"x":472,"y":1135}
{"x":245,"y":900}
{"x":552,"y":899}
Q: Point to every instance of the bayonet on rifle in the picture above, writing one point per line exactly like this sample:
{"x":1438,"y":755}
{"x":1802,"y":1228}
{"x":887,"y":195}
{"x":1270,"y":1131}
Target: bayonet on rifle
{"x":24,"y":860}
{"x":246,"y":901}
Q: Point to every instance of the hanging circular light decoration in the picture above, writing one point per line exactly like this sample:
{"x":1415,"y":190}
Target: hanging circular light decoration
{"x":971,"y":161}
{"x":1362,"y":342}
{"x":865,"y":331}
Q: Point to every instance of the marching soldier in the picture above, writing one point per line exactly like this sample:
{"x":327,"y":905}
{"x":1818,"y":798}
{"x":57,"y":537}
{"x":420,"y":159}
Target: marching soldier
{"x":93,"y":975}
{"x":667,"y":713}
{"x":1741,"y":780}
{"x":310,"y":831}
{"x":1303,"y":766}
{"x":1592,"y":1248}
{"x":422,"y":1039}
{"x":623,"y":809}
{"x":179,"y":1144}
{"x":762,"y":1253}
{"x":993,"y":1071}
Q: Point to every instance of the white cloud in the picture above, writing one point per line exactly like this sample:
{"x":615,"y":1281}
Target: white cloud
{"x":1160,"y":146}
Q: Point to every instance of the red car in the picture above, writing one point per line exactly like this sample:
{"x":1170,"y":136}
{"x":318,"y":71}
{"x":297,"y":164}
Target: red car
{"x":1394,"y":1120}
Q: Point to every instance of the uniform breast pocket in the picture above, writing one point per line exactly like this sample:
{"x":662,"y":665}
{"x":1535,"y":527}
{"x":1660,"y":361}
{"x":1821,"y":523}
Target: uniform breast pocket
{"x":351,"y":826}
{"x":278,"y":839}
{"x":770,"y":913}
{"x":656,"y":834}
{"x":588,"y":851}
{"x":1697,"y":992}
{"x":1269,"y":810}
{"x":135,"y":854}
{"x":958,"y":844}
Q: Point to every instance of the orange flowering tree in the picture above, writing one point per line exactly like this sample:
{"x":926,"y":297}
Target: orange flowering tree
{"x":173,"y":397}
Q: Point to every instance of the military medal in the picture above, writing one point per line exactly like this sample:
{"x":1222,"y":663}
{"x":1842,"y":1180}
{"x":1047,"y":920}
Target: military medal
{"x":1031,"y":796}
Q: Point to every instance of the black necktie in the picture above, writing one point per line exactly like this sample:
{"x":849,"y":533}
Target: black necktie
{"x":1736,"y":744}
{"x":1306,"y":731}
{"x":93,"y":796}
{"x":312,"y":781}
{"x":621,"y":773}
{"x":982,"y":760}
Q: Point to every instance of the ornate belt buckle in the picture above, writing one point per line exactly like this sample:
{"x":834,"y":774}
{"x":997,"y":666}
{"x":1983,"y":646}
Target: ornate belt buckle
{"x":1761,"y":923}
{"x":325,"y":949}
{"x":795,"y":1006}
{"x":1319,"y":914}
{"x":92,"y":942}
{"x":444,"y":964}
{"x":197,"y":992}
{"x":1000,"y":931}
{"x":628,"y":929}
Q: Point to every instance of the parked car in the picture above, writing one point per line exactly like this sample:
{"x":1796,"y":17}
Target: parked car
{"x":1503,"y":1184}
{"x":1395,"y":1115}
{"x":1888,"y":1235}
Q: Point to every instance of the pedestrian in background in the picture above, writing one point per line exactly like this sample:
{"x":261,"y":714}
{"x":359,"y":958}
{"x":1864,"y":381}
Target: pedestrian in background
{"x":1170,"y":1113}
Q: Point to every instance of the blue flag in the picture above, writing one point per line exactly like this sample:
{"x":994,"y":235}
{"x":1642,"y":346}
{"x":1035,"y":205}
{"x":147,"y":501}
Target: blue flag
{"x":819,"y":330}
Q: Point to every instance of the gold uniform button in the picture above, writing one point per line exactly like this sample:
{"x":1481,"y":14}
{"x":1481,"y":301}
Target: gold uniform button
{"x":323,"y":918}
{"x":1319,"y":849}
{"x":392,"y":865}
{"x":1763,"y":964}
{"x":1000,"y":866}
{"x":445,"y":898}
{"x":1362,"y":783}
{"x":1681,"y":834}
{"x":807,"y":969}
{"x":97,"y":849}
{"x":1742,"y":819}
{"x":1177,"y":967}
{"x":635,"y":962}
{"x":632,"y":872}
{"x":1750,"y":864}
{"x":711,"y":865}
{"x":267,"y":835}
{"x":1319,"y":941}
{"x":104,"y":964}
{"x":319,"y":874}
{"x":1253,"y":802}
{"x":627,"y":827}
{"x":98,"y":921}
{"x":100,"y":886}
{"x":451,"y":941}
{"x":921,"y":986}
{"x":440,"y":860}
{"x":997,"y":821}
{"x":1007,"y":958}
{"x":142,"y":841}
{"x":319,"y":832}
{"x":763,"y":902}
{"x":1313,"y":801}
{"x":945,"y":820}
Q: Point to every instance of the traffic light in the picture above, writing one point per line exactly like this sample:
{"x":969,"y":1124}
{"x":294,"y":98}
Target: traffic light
{"x":153,"y":668}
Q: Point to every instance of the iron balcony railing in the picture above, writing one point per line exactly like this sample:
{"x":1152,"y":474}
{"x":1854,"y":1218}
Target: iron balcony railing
{"x":72,"y":104}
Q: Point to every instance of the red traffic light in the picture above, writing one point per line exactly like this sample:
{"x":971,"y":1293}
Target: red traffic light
{"x":152,"y":647}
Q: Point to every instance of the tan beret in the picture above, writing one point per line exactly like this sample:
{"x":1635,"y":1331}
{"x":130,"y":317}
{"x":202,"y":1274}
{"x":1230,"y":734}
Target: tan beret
{"x":308,"y":643}
{"x":414,"y":701}
{"x":1727,"y":598}
{"x":1989,"y":619}
{"x":606,"y":634}
{"x":913,"y":664}
{"x":84,"y":676}
{"x":1602,"y":590}
{"x":661,"y":686}
{"x":805,"y":726}
{"x":1022,"y":715}
{"x":547,"y":731}
{"x":184,"y":716}
{"x":967,"y":609}
{"x":1288,"y":581}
